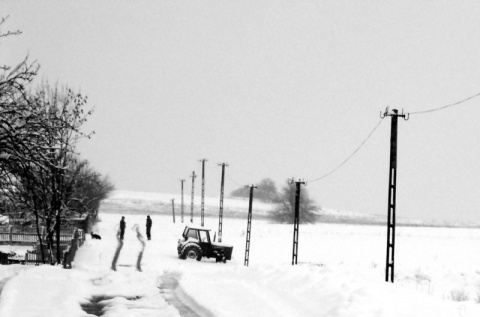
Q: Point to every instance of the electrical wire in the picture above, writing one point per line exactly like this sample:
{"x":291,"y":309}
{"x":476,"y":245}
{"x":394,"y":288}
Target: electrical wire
{"x":366,"y":139}
{"x":447,"y":106}
{"x":349,"y":157}
{"x":333,"y":170}
{"x":230,"y":178}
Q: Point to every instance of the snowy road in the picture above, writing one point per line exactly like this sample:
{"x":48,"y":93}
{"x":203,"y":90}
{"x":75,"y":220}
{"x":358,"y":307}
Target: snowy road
{"x":339,"y":274}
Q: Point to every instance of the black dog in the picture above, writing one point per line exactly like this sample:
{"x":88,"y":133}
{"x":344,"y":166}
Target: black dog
{"x":95,"y":236}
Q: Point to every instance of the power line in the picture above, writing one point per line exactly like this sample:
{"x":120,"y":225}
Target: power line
{"x":369,"y":136}
{"x":230,"y":178}
{"x":447,"y":106}
{"x":378,"y":124}
{"x":336,"y":168}
{"x":349,"y":157}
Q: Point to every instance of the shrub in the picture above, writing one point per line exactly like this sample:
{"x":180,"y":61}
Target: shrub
{"x":459,"y":295}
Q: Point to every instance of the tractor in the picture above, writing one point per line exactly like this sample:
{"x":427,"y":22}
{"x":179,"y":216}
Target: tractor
{"x":196,"y":243}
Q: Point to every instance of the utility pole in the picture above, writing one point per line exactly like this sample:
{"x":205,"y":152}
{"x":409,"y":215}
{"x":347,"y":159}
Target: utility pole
{"x":220,"y":216}
{"x":182,"y":181}
{"x":193,"y":189}
{"x":296,"y":220}
{"x":392,"y":194}
{"x":249,"y":226}
{"x":173,"y":209}
{"x":202,"y":208}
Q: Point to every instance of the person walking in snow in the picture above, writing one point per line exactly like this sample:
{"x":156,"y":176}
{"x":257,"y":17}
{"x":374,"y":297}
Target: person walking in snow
{"x":149,"y":227}
{"x":119,"y":247}
{"x":142,"y":242}
{"x":122,"y":227}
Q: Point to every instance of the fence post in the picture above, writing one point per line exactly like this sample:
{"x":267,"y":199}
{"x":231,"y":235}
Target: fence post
{"x":10,"y":233}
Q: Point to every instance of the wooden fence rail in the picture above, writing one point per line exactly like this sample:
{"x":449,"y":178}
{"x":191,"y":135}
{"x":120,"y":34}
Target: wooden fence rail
{"x":70,"y":241}
{"x":9,"y":235}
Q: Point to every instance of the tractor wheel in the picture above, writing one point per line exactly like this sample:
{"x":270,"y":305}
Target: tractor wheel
{"x":220,"y":257}
{"x":192,"y":251}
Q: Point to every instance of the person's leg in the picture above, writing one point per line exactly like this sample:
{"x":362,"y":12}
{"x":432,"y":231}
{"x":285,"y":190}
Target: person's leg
{"x":117,"y":254}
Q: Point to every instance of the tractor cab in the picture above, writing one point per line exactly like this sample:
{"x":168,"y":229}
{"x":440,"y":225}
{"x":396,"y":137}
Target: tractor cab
{"x":200,"y":234}
{"x":196,"y":243}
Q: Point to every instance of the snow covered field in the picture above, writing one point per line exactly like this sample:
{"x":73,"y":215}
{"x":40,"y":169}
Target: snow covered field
{"x":340,"y":273}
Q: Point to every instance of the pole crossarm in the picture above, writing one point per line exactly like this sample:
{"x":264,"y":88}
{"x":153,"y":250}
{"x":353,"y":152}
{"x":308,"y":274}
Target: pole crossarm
{"x":394,"y":113}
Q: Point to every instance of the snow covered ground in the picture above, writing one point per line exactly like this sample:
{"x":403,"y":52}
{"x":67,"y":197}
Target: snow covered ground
{"x":340,"y":273}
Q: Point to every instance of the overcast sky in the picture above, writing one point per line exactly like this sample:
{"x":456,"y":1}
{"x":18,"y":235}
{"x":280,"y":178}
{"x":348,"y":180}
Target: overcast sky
{"x":276,"y":89}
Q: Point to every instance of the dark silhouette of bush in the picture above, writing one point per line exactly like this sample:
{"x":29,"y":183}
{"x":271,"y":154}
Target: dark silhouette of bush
{"x":285,"y":212}
{"x":266,"y":191}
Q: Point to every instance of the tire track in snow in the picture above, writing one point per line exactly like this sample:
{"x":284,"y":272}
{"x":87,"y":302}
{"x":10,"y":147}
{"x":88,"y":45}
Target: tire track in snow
{"x":175,"y":296}
{"x":3,"y":283}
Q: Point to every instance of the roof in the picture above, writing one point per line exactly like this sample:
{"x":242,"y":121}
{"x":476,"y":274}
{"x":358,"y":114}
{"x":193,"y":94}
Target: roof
{"x":199,"y":227}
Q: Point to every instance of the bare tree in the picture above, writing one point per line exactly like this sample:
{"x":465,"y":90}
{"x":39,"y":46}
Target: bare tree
{"x":64,"y":110}
{"x":18,"y":152}
{"x":86,"y":189}
{"x":38,"y":135}
{"x":40,"y":173}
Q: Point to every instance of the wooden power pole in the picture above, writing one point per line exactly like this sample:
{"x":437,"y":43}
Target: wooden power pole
{"x":220,"y":214}
{"x":249,"y":226}
{"x":193,"y":190}
{"x":182,"y":208}
{"x":296,"y":220}
{"x":202,"y":207}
